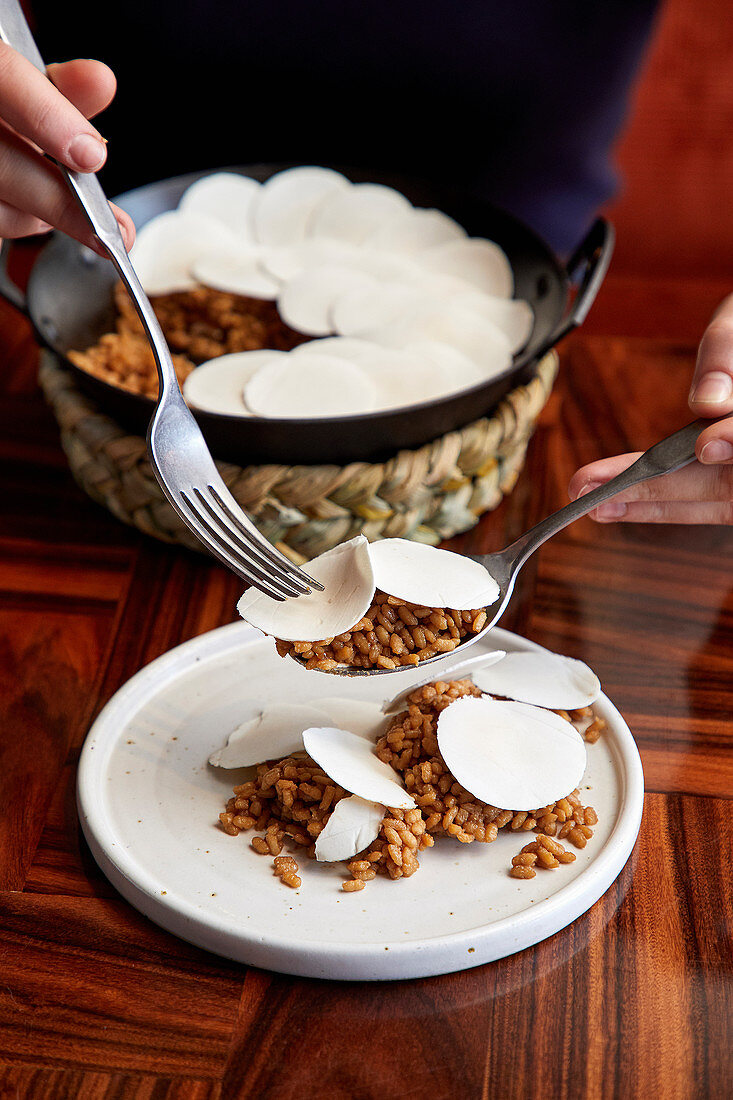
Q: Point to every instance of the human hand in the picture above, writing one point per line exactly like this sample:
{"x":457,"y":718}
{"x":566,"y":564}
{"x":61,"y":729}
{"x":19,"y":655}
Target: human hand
{"x":40,"y":115}
{"x":703,"y":491}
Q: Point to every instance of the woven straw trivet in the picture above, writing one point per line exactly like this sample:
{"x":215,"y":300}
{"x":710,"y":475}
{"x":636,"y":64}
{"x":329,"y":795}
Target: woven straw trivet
{"x":427,"y":495}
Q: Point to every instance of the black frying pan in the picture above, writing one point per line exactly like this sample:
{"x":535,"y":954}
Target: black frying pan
{"x":69,"y":302}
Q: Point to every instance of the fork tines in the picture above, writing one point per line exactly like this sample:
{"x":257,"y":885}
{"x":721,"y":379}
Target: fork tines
{"x":240,"y":548}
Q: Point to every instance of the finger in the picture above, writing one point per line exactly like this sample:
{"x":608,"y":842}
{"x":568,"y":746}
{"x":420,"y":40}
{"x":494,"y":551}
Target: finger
{"x":715,"y":444}
{"x":666,"y":511}
{"x":15,"y":223}
{"x":711,"y":393}
{"x":126,"y":224}
{"x":33,"y":107}
{"x":598,"y":473}
{"x":89,"y":85}
{"x":34,"y":185}
{"x":692,"y":484}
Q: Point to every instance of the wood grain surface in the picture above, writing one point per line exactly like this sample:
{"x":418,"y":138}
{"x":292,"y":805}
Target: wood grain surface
{"x":675,"y":159}
{"x":633,"y":999}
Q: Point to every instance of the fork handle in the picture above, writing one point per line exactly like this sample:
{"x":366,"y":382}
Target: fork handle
{"x":16,"y":33}
{"x":665,"y":457}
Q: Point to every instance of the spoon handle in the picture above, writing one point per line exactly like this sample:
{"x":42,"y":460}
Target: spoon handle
{"x":665,"y":457}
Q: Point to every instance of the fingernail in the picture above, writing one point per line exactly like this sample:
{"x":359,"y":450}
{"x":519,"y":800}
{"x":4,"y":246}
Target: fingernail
{"x":87,"y":152}
{"x":612,"y":509}
{"x":588,"y":488}
{"x":717,"y":450}
{"x":713,"y":388}
{"x":127,"y":236}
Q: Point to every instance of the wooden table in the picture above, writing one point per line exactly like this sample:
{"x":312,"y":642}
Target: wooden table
{"x":634,"y":999}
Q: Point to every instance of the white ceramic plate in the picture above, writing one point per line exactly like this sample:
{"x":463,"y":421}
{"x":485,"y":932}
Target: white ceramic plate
{"x":149,"y":803}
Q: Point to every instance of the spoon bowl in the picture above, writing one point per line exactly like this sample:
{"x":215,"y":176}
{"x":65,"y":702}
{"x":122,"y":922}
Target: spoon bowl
{"x":671,"y":454}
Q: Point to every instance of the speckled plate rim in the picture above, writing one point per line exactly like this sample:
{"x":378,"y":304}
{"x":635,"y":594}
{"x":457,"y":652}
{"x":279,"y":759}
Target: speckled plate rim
{"x":361,"y":962}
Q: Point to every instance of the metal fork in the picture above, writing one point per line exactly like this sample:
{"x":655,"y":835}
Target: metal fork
{"x":180,"y":458}
{"x":665,"y":457}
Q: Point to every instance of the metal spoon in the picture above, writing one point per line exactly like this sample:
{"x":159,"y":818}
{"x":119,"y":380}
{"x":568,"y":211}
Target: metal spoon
{"x":670,"y":454}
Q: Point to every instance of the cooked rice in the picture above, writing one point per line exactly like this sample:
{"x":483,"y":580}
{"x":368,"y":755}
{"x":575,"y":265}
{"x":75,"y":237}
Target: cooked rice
{"x":198,"y":325}
{"x":393,"y":633}
{"x":291,"y":800}
{"x":126,"y":360}
{"x":594,"y":730}
{"x":543,"y":852}
{"x":287,"y":871}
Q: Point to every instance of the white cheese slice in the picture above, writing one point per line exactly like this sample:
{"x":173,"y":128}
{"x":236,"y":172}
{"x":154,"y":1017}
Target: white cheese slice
{"x":312,"y":386}
{"x":350,"y":761}
{"x":422,"y":574}
{"x":346,"y":573}
{"x":509,"y":757}
{"x":542,"y":678}
{"x":285,"y":203}
{"x":352,"y":214}
{"x":351,"y":828}
{"x":227,"y":197}
{"x":306,"y":301}
{"x":217,"y":386}
{"x":413,"y":230}
{"x":476,"y":260}
{"x":167,"y":247}
{"x":274,"y":733}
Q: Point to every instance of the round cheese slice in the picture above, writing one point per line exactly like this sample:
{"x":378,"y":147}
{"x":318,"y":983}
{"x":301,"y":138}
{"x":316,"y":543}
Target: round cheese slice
{"x":460,"y":371}
{"x":351,"y":762}
{"x":400,"y":377}
{"x":351,"y":828}
{"x":346,"y":574}
{"x":477,"y":261}
{"x":284,"y":262}
{"x":307,"y":300}
{"x":513,"y":316}
{"x":167,"y":247}
{"x":425,"y":575}
{"x":311,"y":386}
{"x":236,"y":272}
{"x":360,"y":352}
{"x":364,"y":308}
{"x":462,"y":329}
{"x":226,"y":197}
{"x":274,"y":733}
{"x":286,"y":201}
{"x":352,"y":214}
{"x":415,"y":229}
{"x":507,"y":757}
{"x":545,"y":679}
{"x":217,"y":386}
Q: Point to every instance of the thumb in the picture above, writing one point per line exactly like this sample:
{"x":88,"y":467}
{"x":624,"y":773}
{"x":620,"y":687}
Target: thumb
{"x":711,"y":393}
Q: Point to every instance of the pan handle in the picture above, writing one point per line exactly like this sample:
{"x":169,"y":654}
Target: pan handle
{"x":9,"y":290}
{"x":585,"y":269}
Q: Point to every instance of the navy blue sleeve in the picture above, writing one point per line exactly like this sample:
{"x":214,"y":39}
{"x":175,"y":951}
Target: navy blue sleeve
{"x":520,"y":102}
